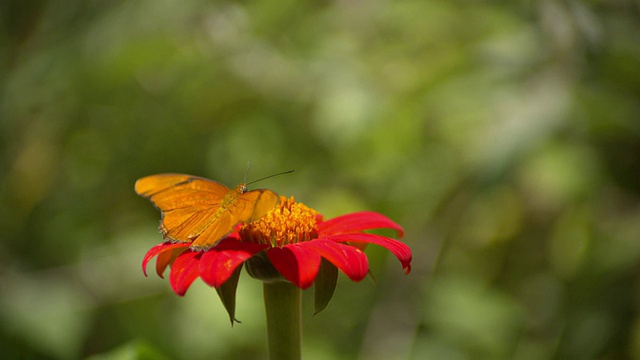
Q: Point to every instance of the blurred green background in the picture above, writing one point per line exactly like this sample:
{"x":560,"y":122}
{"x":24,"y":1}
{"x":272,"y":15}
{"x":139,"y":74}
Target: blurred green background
{"x":503,"y":135}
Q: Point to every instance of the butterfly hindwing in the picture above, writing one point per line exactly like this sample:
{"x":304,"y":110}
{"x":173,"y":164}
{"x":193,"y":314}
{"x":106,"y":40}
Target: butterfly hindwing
{"x":261,"y":201}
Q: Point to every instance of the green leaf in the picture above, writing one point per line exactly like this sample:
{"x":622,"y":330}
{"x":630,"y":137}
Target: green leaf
{"x":325,"y":285}
{"x":227,"y":293}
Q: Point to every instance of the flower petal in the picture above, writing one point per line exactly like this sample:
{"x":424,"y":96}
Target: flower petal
{"x":218,"y":264}
{"x":400,"y":250}
{"x":150,"y":254}
{"x":296,"y":263}
{"x":167,"y":258}
{"x":358,"y":221}
{"x":351,"y":260}
{"x":163,"y":260}
{"x":184,"y":271}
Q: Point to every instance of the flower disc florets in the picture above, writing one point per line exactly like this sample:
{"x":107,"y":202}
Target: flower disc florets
{"x":288,"y":223}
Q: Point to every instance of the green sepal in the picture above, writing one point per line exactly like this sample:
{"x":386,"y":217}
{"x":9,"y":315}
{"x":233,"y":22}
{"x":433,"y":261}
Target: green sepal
{"x":227,"y":294}
{"x":259,"y":267}
{"x":325,"y":285}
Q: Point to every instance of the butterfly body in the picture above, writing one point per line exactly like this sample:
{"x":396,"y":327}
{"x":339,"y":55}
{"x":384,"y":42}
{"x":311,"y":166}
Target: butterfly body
{"x":201,"y":211}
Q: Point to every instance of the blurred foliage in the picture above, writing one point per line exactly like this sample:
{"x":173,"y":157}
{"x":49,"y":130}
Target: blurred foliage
{"x":504,"y":137}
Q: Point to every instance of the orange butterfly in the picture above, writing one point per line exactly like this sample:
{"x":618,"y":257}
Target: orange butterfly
{"x":202,"y":211}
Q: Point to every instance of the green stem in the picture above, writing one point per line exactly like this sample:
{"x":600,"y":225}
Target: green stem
{"x":282,"y":302}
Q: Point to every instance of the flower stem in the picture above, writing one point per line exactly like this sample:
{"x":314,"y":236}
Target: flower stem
{"x":282,"y":301}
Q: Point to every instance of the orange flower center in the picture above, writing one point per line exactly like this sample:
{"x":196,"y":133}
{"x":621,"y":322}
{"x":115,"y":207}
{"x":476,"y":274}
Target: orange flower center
{"x":289,"y":222}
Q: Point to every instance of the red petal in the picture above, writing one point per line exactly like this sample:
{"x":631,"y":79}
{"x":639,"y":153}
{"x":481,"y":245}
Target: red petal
{"x":358,"y":221}
{"x":160,"y":249}
{"x":400,"y":250}
{"x":167,"y":258}
{"x":352,"y":261}
{"x":296,"y":263}
{"x":184,"y":271}
{"x":218,"y":264}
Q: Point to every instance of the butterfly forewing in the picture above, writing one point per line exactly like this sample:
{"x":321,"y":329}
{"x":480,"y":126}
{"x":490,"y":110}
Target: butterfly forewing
{"x":174,"y":191}
{"x":150,"y":185}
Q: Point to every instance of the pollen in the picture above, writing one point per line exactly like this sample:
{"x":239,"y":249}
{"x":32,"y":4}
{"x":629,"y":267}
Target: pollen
{"x":289,"y":222}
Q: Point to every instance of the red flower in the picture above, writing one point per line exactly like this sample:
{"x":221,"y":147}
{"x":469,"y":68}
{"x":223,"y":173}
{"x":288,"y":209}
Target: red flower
{"x":294,"y":239}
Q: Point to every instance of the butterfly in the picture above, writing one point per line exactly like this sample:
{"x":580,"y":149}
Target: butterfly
{"x":202,"y":211}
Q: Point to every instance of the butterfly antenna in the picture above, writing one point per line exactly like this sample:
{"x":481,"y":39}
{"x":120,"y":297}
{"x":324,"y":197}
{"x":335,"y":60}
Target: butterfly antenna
{"x":246,"y":172}
{"x":270,"y":176}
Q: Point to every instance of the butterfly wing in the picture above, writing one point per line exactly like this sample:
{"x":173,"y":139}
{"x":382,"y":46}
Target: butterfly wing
{"x":246,"y":207}
{"x":254,"y":204}
{"x":189,"y":204}
{"x":215,"y":232}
